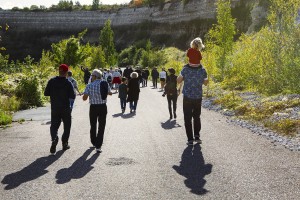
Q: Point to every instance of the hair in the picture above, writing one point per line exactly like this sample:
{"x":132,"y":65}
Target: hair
{"x":134,"y":75}
{"x":197,"y":42}
{"x":124,"y":79}
{"x":69,"y":73}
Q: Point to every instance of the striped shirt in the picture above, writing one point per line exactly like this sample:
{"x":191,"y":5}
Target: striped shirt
{"x":93,"y":91}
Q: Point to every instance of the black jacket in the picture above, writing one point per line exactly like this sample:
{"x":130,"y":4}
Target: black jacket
{"x":60,"y":91}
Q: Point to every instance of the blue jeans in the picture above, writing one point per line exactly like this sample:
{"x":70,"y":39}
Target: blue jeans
{"x":133,"y":105}
{"x":123,"y":103}
{"x":71,"y":103}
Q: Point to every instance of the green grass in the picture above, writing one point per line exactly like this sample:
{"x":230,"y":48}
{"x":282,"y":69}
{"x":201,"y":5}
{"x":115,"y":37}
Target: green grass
{"x":5,"y":118}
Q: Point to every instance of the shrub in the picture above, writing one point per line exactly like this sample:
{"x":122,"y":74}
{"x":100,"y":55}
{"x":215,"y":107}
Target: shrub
{"x":29,"y":92}
{"x":5,"y":118}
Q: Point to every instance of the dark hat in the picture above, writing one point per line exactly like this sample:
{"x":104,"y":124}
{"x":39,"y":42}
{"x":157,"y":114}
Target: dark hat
{"x":64,"y":68}
{"x":171,"y":70}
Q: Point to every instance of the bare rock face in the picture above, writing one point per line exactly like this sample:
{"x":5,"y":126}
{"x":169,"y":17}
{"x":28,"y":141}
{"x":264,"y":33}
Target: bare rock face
{"x":173,"y":24}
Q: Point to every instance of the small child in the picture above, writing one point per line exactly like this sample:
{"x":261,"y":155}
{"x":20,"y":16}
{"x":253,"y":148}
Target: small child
{"x":123,"y":93}
{"x":194,"y":53}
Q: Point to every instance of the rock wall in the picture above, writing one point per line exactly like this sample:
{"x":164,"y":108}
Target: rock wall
{"x":173,"y":24}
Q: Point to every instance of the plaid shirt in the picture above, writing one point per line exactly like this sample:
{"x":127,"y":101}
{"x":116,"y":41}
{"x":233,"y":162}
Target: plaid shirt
{"x":93,"y":91}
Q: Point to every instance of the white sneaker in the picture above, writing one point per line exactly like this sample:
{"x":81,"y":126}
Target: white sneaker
{"x":198,"y":141}
{"x":190,"y":143}
{"x":98,"y":150}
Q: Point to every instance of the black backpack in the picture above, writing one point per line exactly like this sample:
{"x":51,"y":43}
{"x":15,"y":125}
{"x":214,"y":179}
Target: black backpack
{"x":171,"y":85}
{"x":103,"y":89}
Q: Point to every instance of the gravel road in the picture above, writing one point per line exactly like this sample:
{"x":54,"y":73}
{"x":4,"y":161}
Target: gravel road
{"x":144,"y":156}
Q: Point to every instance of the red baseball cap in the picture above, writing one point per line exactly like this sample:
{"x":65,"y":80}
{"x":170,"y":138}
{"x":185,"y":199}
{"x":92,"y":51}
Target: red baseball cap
{"x":64,"y":68}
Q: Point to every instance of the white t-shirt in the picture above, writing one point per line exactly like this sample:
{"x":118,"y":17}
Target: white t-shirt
{"x":163,"y":74}
{"x":116,"y":74}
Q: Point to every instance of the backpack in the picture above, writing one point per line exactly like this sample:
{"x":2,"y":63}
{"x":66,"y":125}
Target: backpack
{"x":103,"y":89}
{"x":109,"y":78}
{"x":171,"y":85}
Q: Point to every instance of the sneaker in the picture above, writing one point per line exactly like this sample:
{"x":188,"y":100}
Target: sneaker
{"x":98,"y":150}
{"x":123,"y":110}
{"x":65,"y":146}
{"x":53,"y":146}
{"x":175,"y":116}
{"x":197,"y":140}
{"x":190,"y":142}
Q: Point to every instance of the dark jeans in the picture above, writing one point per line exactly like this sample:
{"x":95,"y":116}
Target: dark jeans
{"x":133,"y":105}
{"x":57,"y":116}
{"x":154,"y":80}
{"x":123,"y":103}
{"x":192,"y":109}
{"x":98,"y":113}
{"x":145,"y":80}
{"x":172,"y":98}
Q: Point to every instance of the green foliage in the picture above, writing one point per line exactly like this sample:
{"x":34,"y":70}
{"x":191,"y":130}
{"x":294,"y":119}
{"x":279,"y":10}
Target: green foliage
{"x":29,"y":92}
{"x":221,"y":37}
{"x":9,"y":104}
{"x":285,"y":126}
{"x":69,"y":51}
{"x":5,"y":118}
{"x":106,"y":40}
{"x":95,"y":4}
{"x":229,"y":100}
{"x":97,"y":58}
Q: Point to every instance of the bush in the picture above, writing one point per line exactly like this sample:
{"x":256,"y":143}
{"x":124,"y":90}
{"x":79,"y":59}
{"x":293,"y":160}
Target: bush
{"x":5,"y":118}
{"x":29,"y":92}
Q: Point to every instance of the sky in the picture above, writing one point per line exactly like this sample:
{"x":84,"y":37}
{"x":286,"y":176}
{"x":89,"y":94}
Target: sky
{"x":8,"y":4}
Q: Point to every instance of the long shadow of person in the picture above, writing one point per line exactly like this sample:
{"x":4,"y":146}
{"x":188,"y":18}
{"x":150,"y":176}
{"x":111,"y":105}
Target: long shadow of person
{"x":170,"y":124}
{"x":193,"y":167}
{"x":31,"y":172}
{"x":78,"y":169}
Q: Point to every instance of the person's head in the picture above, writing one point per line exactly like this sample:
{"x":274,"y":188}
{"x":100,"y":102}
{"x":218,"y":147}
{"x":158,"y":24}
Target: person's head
{"x":197,"y":44}
{"x":134,"y":75}
{"x":96,"y":74}
{"x":171,"y":70}
{"x":124,"y":80}
{"x":69,"y":73}
{"x":63,"y":70}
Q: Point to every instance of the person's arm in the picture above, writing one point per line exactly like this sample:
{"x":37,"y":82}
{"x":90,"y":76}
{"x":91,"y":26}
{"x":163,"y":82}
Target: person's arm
{"x":85,"y":94}
{"x":179,"y":79}
{"x":47,"y":89}
{"x":72,"y":93}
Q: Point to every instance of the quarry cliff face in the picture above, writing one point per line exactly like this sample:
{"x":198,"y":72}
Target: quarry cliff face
{"x":174,"y":24}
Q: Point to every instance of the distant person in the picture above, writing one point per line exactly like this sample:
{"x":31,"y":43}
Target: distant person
{"x":171,"y":92}
{"x":194,"y":52}
{"x":154,"y":75}
{"x":75,"y":86}
{"x":147,"y":73}
{"x":139,"y":71}
{"x":86,"y":75}
{"x":116,"y":76}
{"x":127,"y":72}
{"x":133,"y":91}
{"x":60,"y":91}
{"x":194,"y":78}
{"x":123,"y":94}
{"x":97,"y":92}
{"x":163,"y":78}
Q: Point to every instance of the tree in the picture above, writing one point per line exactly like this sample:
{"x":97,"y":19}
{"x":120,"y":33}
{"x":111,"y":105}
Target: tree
{"x":95,"y":4}
{"x":106,"y":40}
{"x":221,"y":36}
{"x":97,"y":58}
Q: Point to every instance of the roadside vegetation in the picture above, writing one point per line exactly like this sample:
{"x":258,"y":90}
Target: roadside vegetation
{"x":255,"y":76}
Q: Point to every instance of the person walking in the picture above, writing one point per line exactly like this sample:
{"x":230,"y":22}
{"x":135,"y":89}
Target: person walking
{"x":123,"y":94}
{"x":75,"y":86}
{"x":116,"y":79}
{"x":154,"y":75}
{"x":147,"y":73}
{"x":86,"y":75}
{"x":97,"y":92}
{"x":162,"y":77}
{"x":60,"y":91}
{"x":171,"y":92}
{"x":133,"y":91}
{"x":194,"y":78}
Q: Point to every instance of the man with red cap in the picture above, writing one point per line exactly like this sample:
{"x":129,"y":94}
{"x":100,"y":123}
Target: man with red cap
{"x":60,"y":91}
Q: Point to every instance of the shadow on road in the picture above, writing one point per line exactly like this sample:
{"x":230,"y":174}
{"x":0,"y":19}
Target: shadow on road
{"x":169,"y":124}
{"x":124,"y":116}
{"x":78,"y":169}
{"x":193,"y":167}
{"x":31,"y":172}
